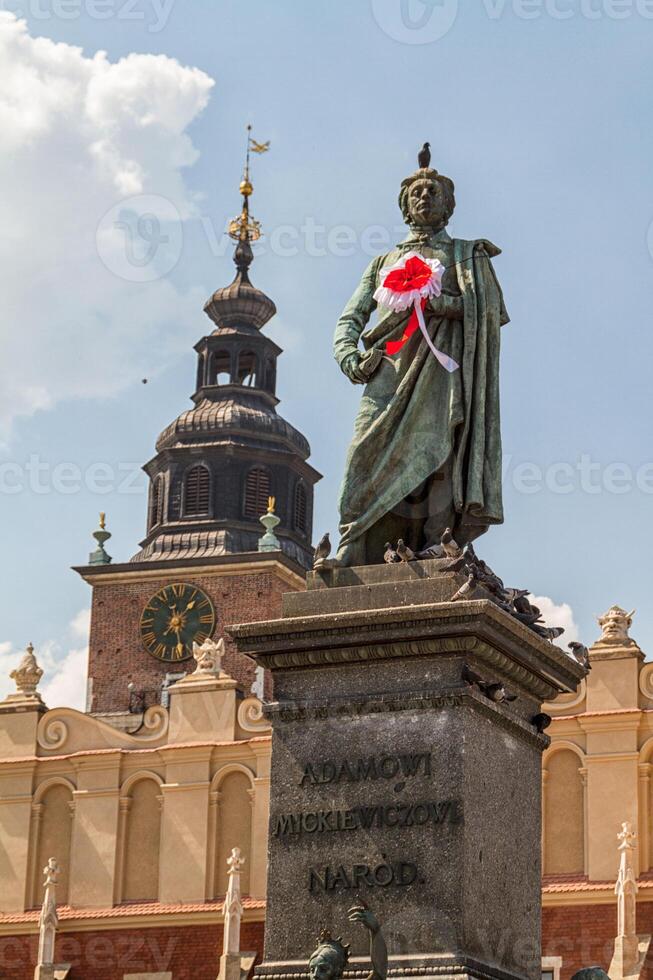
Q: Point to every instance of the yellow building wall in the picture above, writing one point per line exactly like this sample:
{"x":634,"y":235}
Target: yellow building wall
{"x":596,"y":773}
{"x":135,"y":818}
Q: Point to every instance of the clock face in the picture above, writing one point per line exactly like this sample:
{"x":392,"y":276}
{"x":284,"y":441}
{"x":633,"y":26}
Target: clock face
{"x":173,"y":619}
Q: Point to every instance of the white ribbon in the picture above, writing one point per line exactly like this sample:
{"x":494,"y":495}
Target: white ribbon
{"x":447,"y":362}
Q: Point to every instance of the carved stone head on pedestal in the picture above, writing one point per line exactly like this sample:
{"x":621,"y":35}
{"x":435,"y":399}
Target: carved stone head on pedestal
{"x":208,"y":657}
{"x":329,"y":959}
{"x":615,"y":624}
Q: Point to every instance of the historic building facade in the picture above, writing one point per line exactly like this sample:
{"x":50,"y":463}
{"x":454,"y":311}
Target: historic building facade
{"x":596,"y":776}
{"x":140,"y":824}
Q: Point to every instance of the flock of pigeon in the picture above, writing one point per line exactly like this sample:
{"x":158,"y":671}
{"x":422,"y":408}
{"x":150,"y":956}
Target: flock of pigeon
{"x":478,"y":573}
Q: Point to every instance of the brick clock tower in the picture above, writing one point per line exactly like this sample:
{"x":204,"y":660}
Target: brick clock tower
{"x":216,"y":466}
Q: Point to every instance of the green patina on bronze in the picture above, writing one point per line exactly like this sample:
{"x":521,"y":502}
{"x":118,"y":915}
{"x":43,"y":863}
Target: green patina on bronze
{"x":426,"y":450}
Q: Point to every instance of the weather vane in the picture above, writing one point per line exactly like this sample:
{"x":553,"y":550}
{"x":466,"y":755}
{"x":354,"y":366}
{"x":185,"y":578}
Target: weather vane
{"x":245,"y":228}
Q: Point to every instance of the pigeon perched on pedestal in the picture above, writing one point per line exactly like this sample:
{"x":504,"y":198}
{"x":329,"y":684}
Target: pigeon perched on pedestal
{"x":527,"y":617}
{"x":548,"y":632}
{"x":496,"y":692}
{"x":580,"y":653}
{"x":424,"y":157}
{"x":390,"y":556}
{"x":433,"y":551}
{"x":322,"y":551}
{"x":451,"y":548}
{"x":405,"y":553}
{"x":468,"y":586}
{"x":469,"y":676}
{"x":517,"y":596}
{"x":541,"y":721}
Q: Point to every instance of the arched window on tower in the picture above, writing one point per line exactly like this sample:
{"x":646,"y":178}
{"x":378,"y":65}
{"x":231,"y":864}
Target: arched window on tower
{"x":246,"y":374}
{"x":257,"y":491}
{"x":197,"y":487}
{"x":220,"y":373}
{"x":156,"y":501}
{"x":300,"y":507}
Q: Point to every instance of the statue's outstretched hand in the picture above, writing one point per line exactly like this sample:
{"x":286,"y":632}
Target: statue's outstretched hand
{"x":378,"y":949}
{"x":359,"y":913}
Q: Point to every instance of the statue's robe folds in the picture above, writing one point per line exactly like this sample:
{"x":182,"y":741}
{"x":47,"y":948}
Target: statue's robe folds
{"x":423,"y":434}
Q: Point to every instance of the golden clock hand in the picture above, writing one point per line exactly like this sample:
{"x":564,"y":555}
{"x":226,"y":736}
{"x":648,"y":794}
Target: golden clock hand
{"x":189,"y":606}
{"x":180,"y":645}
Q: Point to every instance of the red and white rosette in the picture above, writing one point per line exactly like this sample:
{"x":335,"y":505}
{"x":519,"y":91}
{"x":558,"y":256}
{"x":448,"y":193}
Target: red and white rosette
{"x":412,"y":282}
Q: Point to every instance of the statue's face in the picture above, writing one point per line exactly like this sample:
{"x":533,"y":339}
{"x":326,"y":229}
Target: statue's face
{"x":323,"y":967}
{"x":615,"y":623}
{"x":426,"y":203}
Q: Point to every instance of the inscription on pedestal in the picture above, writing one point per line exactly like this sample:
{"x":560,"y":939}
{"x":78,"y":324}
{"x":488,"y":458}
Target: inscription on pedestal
{"x":398,"y":814}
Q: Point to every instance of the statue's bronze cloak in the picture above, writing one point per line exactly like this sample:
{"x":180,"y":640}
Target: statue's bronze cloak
{"x":414,"y":416}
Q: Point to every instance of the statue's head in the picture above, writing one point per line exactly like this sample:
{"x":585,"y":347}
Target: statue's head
{"x":329,"y":959}
{"x":427,"y":199}
{"x":615,"y":624}
{"x":591,"y":973}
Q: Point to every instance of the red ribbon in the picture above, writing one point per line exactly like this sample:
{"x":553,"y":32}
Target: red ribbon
{"x":413,"y":275}
{"x":393,"y":346}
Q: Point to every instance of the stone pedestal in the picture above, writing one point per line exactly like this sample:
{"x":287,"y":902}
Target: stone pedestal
{"x":203,"y":707}
{"x":396,"y":781}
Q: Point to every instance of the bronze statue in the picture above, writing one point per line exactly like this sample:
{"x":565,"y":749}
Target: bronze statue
{"x":331,"y":955}
{"x":426,"y":451}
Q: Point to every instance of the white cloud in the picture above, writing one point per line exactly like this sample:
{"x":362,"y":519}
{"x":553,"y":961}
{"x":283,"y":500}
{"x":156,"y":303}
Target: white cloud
{"x":65,"y":684}
{"x":557,"y":614}
{"x":80,"y":624}
{"x":64,"y":665}
{"x":79,"y":135}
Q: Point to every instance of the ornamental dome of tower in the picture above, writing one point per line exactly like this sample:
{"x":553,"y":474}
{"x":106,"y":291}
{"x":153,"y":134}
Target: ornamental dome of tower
{"x":240,"y":304}
{"x":234,"y":415}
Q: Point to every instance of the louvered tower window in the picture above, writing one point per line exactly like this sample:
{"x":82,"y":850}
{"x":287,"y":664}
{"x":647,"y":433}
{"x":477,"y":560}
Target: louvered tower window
{"x":300,"y":507}
{"x":196,"y":490}
{"x":247,"y":370}
{"x":156,"y":501}
{"x":257,"y":491}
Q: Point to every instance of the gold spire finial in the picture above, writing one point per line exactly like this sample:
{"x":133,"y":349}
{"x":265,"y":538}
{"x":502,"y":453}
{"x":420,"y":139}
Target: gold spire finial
{"x":103,"y":520}
{"x":271,"y":504}
{"x":244,"y":228}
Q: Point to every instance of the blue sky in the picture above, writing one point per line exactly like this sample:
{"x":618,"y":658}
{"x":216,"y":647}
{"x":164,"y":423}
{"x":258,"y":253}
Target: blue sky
{"x":540,"y":112}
